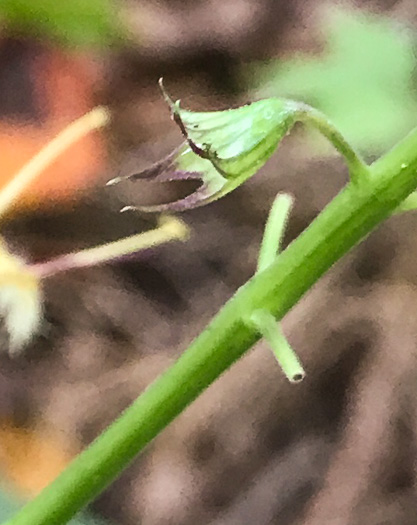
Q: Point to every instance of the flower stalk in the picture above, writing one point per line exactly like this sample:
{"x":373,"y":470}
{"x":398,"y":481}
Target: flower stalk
{"x":223,"y":149}
{"x":95,"y":119}
{"x":345,"y":221}
{"x":262,"y":320}
{"x":20,"y":282}
{"x":169,"y":229}
{"x":266,"y":324}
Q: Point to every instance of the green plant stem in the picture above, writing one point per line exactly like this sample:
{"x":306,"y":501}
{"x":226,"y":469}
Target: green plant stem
{"x":266,"y":324}
{"x":358,"y":169}
{"x":263,"y":321}
{"x":347,"y":219}
{"x":409,"y":204}
{"x":274,"y":230}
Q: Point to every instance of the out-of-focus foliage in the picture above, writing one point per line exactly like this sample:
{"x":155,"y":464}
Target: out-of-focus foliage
{"x":362,"y":81}
{"x":72,"y":23}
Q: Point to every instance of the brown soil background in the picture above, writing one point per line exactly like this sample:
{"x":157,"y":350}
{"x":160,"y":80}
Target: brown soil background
{"x":339,"y":448}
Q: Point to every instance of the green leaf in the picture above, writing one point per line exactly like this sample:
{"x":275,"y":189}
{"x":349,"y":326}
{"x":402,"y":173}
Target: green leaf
{"x":362,"y":81}
{"x":73,"y":23}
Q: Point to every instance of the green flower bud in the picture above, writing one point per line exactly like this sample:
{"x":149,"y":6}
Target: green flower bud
{"x":223,"y":148}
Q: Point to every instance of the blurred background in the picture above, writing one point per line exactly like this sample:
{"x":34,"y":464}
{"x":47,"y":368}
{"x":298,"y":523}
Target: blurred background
{"x":339,"y":448}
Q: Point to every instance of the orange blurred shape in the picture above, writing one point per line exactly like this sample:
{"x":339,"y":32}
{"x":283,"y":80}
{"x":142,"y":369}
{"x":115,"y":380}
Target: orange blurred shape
{"x":31,"y":459}
{"x":62,"y":88}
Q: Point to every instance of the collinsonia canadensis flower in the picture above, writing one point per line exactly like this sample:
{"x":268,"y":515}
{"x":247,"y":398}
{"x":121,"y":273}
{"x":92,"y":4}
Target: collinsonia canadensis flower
{"x":20,"y":298}
{"x":222,"y":149}
{"x":20,"y":282}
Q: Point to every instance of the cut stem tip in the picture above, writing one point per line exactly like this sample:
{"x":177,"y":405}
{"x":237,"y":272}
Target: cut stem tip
{"x":266,"y":324}
{"x":114,"y":181}
{"x":128,"y":208}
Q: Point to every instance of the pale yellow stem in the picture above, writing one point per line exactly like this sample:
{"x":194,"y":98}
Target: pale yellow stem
{"x":169,"y":229}
{"x":96,"y":118}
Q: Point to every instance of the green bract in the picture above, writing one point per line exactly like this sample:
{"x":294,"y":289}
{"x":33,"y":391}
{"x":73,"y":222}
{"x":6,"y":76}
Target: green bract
{"x":222,"y":149}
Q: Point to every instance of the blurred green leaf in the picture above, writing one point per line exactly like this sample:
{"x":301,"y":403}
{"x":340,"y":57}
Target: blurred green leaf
{"x":363,"y":81}
{"x":73,"y":23}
